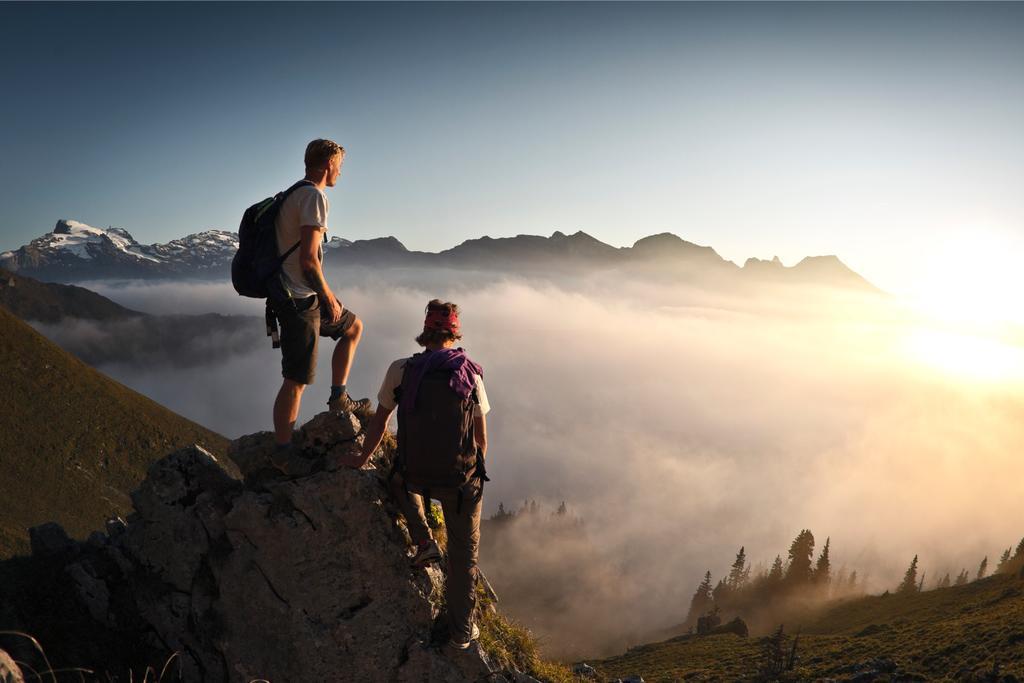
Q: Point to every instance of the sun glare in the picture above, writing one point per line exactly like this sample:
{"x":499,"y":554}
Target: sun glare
{"x":966,"y":356}
{"x":972,"y":279}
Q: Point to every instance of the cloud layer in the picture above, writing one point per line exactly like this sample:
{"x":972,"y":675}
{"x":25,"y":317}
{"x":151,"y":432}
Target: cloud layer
{"x":678,"y":423}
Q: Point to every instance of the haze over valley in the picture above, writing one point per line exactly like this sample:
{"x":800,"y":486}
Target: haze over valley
{"x":678,"y":415}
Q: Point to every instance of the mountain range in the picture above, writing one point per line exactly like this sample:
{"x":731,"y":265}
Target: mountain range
{"x":74,"y":251}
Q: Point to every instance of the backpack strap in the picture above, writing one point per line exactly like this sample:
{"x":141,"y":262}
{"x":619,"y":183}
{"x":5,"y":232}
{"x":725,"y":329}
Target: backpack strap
{"x":290,"y":251}
{"x":283,"y":196}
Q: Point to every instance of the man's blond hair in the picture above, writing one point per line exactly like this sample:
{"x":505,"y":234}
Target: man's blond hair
{"x":320,"y":152}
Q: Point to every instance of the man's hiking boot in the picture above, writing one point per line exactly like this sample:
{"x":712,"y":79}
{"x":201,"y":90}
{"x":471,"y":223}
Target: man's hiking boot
{"x":459,"y":645}
{"x":345,"y":404}
{"x":291,"y":463}
{"x":426,"y":554}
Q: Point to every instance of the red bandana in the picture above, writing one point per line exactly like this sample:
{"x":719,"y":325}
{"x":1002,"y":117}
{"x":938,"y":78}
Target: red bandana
{"x":439,"y":320}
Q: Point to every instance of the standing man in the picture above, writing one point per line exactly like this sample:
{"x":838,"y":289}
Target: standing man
{"x":442,"y":443}
{"x":310,"y":310}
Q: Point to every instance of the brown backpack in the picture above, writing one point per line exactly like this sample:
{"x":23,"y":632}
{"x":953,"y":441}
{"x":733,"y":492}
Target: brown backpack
{"x":437,"y":436}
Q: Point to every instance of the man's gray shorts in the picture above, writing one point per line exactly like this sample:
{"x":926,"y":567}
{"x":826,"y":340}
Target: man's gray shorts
{"x":302,"y":324}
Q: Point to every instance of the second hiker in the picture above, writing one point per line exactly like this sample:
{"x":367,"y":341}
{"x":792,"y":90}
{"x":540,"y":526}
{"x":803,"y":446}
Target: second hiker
{"x":442,"y":443}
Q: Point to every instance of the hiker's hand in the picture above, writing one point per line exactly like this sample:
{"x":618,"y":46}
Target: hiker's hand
{"x":333,"y":310}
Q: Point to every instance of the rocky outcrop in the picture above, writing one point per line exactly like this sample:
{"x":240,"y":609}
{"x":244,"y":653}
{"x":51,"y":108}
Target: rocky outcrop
{"x":246,"y":574}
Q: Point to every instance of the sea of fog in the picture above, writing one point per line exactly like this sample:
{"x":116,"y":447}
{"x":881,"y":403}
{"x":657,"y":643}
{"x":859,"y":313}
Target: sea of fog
{"x":679,"y":423}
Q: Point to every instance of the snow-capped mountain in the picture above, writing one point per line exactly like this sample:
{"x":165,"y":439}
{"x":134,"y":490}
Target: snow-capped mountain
{"x":75,"y":250}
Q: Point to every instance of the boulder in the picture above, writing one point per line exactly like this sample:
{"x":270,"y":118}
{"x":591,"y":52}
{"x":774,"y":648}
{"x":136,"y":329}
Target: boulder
{"x":275,"y":578}
{"x":737,"y":627}
{"x":49,"y":539}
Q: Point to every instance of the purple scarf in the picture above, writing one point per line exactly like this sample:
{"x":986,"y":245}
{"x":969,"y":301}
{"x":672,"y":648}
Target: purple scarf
{"x":463,"y":370}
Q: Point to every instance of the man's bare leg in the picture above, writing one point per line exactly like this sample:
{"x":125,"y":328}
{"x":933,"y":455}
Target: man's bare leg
{"x":286,"y":410}
{"x":345,"y":353}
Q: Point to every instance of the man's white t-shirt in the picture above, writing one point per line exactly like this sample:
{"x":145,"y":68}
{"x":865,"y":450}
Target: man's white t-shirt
{"x":393,"y":380}
{"x":307,"y":205}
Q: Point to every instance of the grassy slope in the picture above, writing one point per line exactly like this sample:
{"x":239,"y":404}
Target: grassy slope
{"x":935,"y":634}
{"x":31,"y":299}
{"x":73,"y":442}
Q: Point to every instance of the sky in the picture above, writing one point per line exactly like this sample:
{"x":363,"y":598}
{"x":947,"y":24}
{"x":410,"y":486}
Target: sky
{"x":888,"y":134}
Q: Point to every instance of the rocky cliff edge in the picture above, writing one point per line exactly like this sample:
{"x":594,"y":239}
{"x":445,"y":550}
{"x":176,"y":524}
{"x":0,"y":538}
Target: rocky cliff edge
{"x":246,"y":575}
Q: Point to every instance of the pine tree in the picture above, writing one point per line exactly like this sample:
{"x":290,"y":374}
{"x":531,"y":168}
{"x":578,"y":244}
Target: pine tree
{"x":982,"y":568}
{"x":920,"y":584}
{"x":701,"y":601}
{"x":839,"y":583}
{"x":799,"y":572}
{"x":853,"y":581}
{"x":1004,"y":562}
{"x":909,"y":584}
{"x":961,"y":578}
{"x":943,"y":582}
{"x":823,"y":570}
{"x":721,"y":593}
{"x":561,"y":509}
{"x":740,"y":572}
{"x":773,"y":657}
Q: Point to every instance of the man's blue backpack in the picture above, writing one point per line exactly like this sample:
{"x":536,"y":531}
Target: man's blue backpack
{"x":256,"y":267}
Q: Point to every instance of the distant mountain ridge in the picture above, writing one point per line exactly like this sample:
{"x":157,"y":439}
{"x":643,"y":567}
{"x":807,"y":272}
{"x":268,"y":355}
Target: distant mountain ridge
{"x":121,"y":335}
{"x":46,"y":302}
{"x":75,"y":251}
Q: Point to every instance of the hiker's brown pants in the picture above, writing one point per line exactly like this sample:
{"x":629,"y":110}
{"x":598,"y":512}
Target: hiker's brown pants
{"x":462,"y":523}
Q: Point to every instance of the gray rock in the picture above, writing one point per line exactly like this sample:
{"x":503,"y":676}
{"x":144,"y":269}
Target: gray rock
{"x":252,"y":451}
{"x":97,"y":539}
{"x":327,"y":429}
{"x":49,"y":539}
{"x":115,"y":527}
{"x":178,"y":478}
{"x":303,"y":579}
{"x":92,"y":591}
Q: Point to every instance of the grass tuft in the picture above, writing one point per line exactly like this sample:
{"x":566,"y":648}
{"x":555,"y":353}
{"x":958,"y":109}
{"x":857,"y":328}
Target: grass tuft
{"x":511,"y":646}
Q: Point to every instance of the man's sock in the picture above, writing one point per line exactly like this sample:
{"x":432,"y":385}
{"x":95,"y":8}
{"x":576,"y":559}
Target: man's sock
{"x":336,"y":391}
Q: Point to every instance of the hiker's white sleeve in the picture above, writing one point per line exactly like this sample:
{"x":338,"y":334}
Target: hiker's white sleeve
{"x":483,"y":407}
{"x":392,"y":380}
{"x":312,"y":207}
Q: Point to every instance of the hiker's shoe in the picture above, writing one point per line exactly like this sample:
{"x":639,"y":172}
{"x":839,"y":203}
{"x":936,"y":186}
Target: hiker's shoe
{"x":345,"y":404}
{"x":459,"y":645}
{"x":427,"y":554}
{"x":290,"y":463}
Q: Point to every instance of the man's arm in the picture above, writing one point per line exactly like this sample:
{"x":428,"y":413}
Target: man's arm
{"x":480,"y":433}
{"x":374,"y":433}
{"x":309,"y":261}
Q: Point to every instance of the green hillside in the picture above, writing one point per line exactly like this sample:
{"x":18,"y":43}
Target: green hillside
{"x":956,"y":633}
{"x":73,"y":441}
